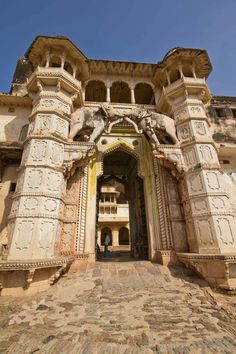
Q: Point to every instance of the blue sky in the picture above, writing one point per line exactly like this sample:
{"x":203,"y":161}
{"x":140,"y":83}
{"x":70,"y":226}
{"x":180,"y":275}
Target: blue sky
{"x":131,"y":30}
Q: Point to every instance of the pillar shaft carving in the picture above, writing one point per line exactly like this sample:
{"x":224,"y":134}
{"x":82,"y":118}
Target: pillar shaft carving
{"x":210,"y":223}
{"x":37,"y":210}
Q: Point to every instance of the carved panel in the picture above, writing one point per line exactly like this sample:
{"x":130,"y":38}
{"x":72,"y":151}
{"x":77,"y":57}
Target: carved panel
{"x":205,"y":231}
{"x":39,"y":150}
{"x":24,"y":234}
{"x":53,"y":181}
{"x":50,"y":205}
{"x":34,"y":179}
{"x":61,"y":127}
{"x":190,"y":156}
{"x":15,"y":206}
{"x":184,"y":132}
{"x":225,"y":231}
{"x":206,"y":153}
{"x":47,"y":229}
{"x":70,"y":212}
{"x":30,"y":204}
{"x":57,"y":154}
{"x":200,"y":127}
{"x":218,"y":203}
{"x":212,"y":180}
{"x":196,"y":184}
{"x":44,"y":122}
{"x":200,"y":205}
{"x":67,"y":238}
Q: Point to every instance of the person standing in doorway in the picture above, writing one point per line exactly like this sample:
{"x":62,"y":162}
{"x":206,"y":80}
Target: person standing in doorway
{"x":106,"y":244}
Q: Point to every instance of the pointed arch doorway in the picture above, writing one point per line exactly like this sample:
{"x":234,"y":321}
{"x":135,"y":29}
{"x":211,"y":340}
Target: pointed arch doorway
{"x":121,"y":203}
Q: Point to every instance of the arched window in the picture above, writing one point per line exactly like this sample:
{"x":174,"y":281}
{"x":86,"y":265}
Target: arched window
{"x":104,"y":231}
{"x":120,"y":92}
{"x":144,"y":94}
{"x":23,"y":132}
{"x":55,"y":62}
{"x":95,"y":91}
{"x":174,"y":75}
{"x":123,"y":236}
{"x":68,"y":68}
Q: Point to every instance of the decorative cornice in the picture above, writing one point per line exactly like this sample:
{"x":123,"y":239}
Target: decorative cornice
{"x":38,"y":263}
{"x":207,"y":257}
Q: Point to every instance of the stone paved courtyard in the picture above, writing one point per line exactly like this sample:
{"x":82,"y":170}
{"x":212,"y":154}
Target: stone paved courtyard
{"x":121,"y":307}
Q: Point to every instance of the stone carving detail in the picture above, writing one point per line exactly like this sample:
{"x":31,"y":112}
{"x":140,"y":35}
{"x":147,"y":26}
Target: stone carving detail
{"x":200,"y":128}
{"x":15,"y":206}
{"x":57,"y":154}
{"x":50,"y":205}
{"x":190,"y":156}
{"x":39,"y":150}
{"x":218,"y":203}
{"x":66,"y":245}
{"x":212,"y":180}
{"x":53,"y":181}
{"x":61,"y":127}
{"x":47,"y":229}
{"x":200,"y":205}
{"x":154,"y":124}
{"x":55,"y":104}
{"x":30,"y":204}
{"x":205,"y":232}
{"x":195,"y":110}
{"x":226,"y":234}
{"x":44,"y":122}
{"x":206,"y":153}
{"x":181,"y":114}
{"x":84,"y":119}
{"x":184,"y":132}
{"x":34,"y":179}
{"x":196,"y":183}
{"x":70,"y":212}
{"x":24,"y":234}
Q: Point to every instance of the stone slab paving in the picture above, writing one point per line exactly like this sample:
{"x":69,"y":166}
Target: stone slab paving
{"x":121,"y":308}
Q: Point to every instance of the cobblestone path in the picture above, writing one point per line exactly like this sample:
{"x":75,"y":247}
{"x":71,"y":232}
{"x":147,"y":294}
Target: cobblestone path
{"x":121,"y":307}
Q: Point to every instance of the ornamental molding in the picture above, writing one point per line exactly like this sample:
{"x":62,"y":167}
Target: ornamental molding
{"x":55,"y":112}
{"x":37,"y":264}
{"x":206,"y":257}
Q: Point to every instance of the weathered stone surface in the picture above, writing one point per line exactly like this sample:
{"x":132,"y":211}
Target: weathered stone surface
{"x":143,"y":308}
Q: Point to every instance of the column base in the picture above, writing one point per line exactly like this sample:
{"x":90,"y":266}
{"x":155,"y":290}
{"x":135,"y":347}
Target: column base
{"x":219,"y":270}
{"x":23,"y":278}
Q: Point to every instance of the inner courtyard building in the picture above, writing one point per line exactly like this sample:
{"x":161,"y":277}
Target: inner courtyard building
{"x":143,"y":152}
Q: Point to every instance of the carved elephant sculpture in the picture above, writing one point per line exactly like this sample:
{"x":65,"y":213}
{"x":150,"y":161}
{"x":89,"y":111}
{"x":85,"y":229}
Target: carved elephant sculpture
{"x":84,"y":119}
{"x":156,"y":125}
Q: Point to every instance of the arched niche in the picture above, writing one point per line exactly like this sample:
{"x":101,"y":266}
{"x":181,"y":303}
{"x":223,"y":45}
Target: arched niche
{"x":104,"y":231}
{"x":120,"y":92}
{"x":144,"y":94}
{"x":95,"y":91}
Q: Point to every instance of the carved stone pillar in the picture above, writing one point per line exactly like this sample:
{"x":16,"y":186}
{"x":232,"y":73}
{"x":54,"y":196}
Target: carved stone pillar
{"x":37,"y":210}
{"x":115,"y":236}
{"x":211,"y":226}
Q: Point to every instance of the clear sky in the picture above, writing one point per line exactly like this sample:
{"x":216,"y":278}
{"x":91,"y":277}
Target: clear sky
{"x":130,"y":30}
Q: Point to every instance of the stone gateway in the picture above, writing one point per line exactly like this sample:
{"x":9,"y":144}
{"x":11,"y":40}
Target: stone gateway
{"x":140,"y":152}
